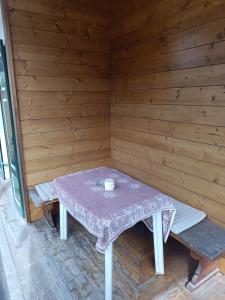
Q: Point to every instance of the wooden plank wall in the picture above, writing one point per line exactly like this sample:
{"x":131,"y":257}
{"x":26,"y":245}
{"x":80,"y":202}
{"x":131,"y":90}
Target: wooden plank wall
{"x":168,"y":98}
{"x":61,"y":59}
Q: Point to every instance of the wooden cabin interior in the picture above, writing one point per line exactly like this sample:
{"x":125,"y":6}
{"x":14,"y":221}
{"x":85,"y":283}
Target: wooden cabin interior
{"x":137,"y":85}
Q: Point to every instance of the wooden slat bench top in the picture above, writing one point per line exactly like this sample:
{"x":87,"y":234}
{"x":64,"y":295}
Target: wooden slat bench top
{"x":205,"y":238}
{"x":36,"y":199}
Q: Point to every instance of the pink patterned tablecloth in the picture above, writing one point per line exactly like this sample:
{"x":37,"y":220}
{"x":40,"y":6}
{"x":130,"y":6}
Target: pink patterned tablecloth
{"x":107,"y":214}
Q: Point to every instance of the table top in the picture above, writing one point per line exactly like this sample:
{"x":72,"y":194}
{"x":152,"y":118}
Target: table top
{"x":107,"y":214}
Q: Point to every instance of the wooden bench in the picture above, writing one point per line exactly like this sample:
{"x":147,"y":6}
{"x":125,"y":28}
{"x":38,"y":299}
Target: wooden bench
{"x":45,"y":205}
{"x":206,"y":242}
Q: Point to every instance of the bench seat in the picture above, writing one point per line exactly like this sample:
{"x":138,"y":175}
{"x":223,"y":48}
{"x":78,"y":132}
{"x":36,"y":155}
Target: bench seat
{"x":205,"y":238}
{"x":206,"y":242}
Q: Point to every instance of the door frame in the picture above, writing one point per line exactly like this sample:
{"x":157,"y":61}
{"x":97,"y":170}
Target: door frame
{"x":3,"y":147}
{"x":14,"y":103}
{"x":2,"y":169}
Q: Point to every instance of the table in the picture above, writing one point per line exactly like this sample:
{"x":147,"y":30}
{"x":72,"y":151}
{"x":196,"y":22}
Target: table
{"x":107,"y":214}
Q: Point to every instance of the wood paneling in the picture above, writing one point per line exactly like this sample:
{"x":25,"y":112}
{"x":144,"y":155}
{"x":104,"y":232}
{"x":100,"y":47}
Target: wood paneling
{"x":206,"y":33}
{"x":190,"y":114}
{"x":193,"y":57}
{"x":213,"y":95}
{"x":24,"y":18}
{"x":63,"y":124}
{"x":47,"y":175}
{"x":168,"y":98}
{"x":61,"y":98}
{"x":48,"y":54}
{"x":61,"y":55}
{"x":77,"y":11}
{"x":202,"y":152}
{"x":59,"y":137}
{"x":57,"y":40}
{"x":43,"y":164}
{"x":40,"y":152}
{"x":42,"y":83}
{"x":133,"y":15}
{"x":166,"y":85}
{"x":35,"y":68}
{"x":202,"y":76}
{"x":44,"y":111}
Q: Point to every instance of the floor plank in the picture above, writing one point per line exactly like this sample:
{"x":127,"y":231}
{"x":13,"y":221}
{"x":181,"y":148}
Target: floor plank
{"x":39,"y":277}
{"x":8,"y":273}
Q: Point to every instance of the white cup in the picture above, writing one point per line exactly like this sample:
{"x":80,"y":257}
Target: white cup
{"x":109,"y":184}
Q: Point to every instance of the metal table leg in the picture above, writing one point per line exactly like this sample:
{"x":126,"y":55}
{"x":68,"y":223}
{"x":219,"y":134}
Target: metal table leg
{"x":108,"y":272}
{"x":158,"y":242}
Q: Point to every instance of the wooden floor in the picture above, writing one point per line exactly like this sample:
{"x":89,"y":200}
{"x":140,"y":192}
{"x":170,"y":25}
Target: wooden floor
{"x":36,"y":265}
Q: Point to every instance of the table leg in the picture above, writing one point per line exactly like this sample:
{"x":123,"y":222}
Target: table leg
{"x":158,"y":243}
{"x":63,"y":222}
{"x":108,"y":272}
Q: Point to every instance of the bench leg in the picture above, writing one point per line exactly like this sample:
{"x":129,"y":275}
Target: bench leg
{"x":158,"y":243}
{"x":205,"y":270}
{"x":108,"y":272}
{"x":48,"y":218}
{"x":63,"y":222}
